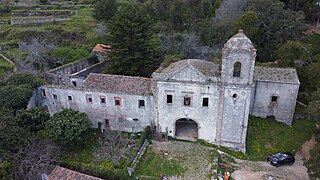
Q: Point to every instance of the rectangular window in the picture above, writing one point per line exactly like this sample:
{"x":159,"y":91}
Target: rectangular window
{"x":169,"y":98}
{"x":117,"y":101}
{"x":102,"y":100}
{"x":74,"y":83}
{"x":141,"y":103}
{"x":274,"y":99}
{"x":89,"y":98}
{"x":135,"y":119}
{"x":55,"y":96}
{"x":205,"y":102}
{"x":187,"y":101}
{"x":70,"y":98}
{"x":43,"y":92}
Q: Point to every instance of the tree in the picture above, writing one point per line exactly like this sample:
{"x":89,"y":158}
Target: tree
{"x":68,"y":126}
{"x":6,"y":170}
{"x":15,"y":97}
{"x":33,"y":119}
{"x":115,"y":146}
{"x":133,"y":46}
{"x":24,"y":79}
{"x":293,"y":51}
{"x":277,"y":25}
{"x":105,"y":9}
{"x":12,"y":136}
{"x":36,"y":159}
{"x":248,"y":21}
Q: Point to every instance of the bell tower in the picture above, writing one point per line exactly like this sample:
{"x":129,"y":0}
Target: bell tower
{"x":238,"y":58}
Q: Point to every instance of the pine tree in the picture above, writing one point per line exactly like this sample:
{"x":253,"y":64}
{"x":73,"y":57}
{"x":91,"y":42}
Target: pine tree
{"x":133,"y":44}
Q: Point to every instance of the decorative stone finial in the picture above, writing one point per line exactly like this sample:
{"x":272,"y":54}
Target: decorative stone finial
{"x":240,"y":30}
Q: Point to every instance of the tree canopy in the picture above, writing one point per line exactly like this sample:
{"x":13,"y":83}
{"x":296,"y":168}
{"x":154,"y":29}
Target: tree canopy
{"x":68,"y":126}
{"x":132,"y":40}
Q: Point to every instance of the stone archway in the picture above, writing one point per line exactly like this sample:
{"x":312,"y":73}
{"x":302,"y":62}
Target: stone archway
{"x":186,"y":129}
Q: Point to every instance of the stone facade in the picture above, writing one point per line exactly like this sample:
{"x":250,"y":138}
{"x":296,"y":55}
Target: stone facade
{"x":214,"y":102}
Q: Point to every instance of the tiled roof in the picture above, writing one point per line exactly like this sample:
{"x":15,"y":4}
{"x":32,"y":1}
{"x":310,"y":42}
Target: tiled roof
{"x":206,"y":67}
{"x":101,"y":48}
{"x":284,"y":75}
{"x":118,"y":84}
{"x":60,"y":173}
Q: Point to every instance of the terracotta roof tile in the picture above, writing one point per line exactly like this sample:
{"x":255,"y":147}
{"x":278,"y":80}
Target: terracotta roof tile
{"x":60,"y":173}
{"x":118,"y":84}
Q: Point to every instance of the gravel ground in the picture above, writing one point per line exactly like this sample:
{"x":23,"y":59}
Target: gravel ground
{"x":195,"y":158}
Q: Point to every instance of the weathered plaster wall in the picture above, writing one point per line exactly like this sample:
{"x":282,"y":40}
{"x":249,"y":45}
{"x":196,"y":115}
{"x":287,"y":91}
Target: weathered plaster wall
{"x":235,"y":116}
{"x":98,"y":112}
{"x":204,"y":116}
{"x":283,"y":109}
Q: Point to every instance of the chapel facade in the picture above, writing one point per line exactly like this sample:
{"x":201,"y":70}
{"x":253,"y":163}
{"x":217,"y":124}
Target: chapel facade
{"x":189,"y":99}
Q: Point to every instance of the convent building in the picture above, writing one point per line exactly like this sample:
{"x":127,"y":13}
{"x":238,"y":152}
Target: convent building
{"x":189,"y":99}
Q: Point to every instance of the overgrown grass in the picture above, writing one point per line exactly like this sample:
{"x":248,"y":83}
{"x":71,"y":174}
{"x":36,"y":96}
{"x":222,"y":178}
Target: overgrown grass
{"x":153,"y":164}
{"x":267,"y":136}
{"x":4,"y":66}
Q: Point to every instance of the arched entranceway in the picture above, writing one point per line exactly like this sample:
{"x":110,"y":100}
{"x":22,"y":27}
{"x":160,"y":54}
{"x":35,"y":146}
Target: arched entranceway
{"x":186,"y":129}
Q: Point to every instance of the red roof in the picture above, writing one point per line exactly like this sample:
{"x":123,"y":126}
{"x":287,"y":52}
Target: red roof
{"x":60,"y":173}
{"x":101,"y":48}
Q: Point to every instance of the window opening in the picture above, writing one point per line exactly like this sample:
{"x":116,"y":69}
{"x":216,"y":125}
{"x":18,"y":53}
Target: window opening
{"x":70,"y":98}
{"x":234,"y":95}
{"x":55,"y":96}
{"x":141,"y":103}
{"x":169,"y":98}
{"x":237,"y":69}
{"x":43,"y":92}
{"x":102,"y":99}
{"x":74,"y":83}
{"x":106,"y":123}
{"x":117,"y":101}
{"x":274,"y":99}
{"x":89,"y":98}
{"x":205,"y":102}
{"x":187,"y":101}
{"x":135,"y":119}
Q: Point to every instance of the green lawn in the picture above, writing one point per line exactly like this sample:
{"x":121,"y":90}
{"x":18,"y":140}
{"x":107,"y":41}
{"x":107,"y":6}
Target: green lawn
{"x":152,"y":164}
{"x":267,"y":136}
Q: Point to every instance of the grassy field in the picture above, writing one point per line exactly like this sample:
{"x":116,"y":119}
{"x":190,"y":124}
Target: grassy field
{"x":153,"y":164}
{"x":267,"y":136}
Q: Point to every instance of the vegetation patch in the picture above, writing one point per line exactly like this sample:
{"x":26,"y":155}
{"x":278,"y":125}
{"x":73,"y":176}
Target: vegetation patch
{"x":154,"y":164}
{"x":4,"y":66}
{"x":267,"y":136}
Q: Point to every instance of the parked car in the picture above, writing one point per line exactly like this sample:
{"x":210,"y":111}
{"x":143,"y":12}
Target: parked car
{"x":281,"y":158}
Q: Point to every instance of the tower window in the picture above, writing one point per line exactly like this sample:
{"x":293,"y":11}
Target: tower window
{"x":187,"y":101}
{"x":169,"y":98}
{"x":141,"y":103}
{"x":70,"y":98}
{"x":274,"y":99}
{"x":234,"y":95}
{"x":237,"y":69}
{"x":205,"y":102}
{"x":43,"y":92}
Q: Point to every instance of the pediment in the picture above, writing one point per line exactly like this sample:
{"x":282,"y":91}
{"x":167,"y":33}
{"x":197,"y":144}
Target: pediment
{"x":188,"y":73}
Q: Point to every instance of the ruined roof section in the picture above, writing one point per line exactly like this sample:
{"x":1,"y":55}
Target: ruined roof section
{"x":281,"y":75}
{"x":206,"y":67}
{"x":60,"y":173}
{"x":239,"y":42}
{"x":118,"y":84}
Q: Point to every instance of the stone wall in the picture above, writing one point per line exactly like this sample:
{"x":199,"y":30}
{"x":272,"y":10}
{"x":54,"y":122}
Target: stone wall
{"x":37,"y":20}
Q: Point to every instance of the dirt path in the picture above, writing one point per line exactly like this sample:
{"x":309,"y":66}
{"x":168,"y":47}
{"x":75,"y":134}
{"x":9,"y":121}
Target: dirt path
{"x":249,"y":170}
